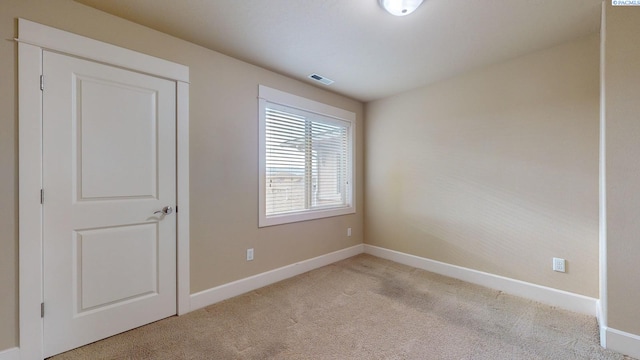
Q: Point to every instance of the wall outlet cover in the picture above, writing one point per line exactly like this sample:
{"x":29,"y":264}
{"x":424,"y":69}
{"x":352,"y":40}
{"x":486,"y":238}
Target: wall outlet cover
{"x":559,"y":265}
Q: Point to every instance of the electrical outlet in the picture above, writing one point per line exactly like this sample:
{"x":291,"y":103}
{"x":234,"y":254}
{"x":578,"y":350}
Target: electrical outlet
{"x":249,"y":254}
{"x":558,"y":265}
{"x":348,"y":231}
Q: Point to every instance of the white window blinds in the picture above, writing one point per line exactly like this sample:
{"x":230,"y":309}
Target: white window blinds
{"x":306,"y":160}
{"x":306,"y":153}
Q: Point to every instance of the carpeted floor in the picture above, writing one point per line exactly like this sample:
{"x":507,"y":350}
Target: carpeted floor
{"x":362,"y":308}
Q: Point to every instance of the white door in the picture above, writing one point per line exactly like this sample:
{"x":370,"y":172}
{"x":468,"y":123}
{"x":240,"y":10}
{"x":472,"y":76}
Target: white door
{"x":109,"y":164}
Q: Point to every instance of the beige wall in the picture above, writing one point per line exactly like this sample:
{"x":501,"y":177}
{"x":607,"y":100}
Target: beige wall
{"x":224,"y":155}
{"x":622,"y":106}
{"x":495,"y":170}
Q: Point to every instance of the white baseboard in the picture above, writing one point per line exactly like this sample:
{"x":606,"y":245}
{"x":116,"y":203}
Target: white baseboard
{"x":623,"y":342}
{"x":226,"y":291}
{"x":562,"y":299}
{"x":10,"y":354}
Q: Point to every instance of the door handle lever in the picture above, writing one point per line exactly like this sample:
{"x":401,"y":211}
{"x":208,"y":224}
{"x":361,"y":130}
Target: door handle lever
{"x":165,"y":210}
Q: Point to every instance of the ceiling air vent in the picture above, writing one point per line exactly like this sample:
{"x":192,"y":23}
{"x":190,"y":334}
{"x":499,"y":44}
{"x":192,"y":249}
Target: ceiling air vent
{"x":321,"y":79}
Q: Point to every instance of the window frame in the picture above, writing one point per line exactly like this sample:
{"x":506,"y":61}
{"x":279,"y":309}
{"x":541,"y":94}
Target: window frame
{"x":269,"y":95}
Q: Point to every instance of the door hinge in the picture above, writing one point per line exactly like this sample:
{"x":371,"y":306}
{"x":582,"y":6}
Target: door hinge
{"x":41,"y":310}
{"x":41,"y":196}
{"x":41,"y":82}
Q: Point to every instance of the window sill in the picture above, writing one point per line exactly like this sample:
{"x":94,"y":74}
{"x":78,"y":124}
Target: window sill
{"x":304,"y":216}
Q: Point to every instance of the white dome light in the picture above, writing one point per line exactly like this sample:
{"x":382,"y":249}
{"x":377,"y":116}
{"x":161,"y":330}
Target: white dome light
{"x":400,"y":7}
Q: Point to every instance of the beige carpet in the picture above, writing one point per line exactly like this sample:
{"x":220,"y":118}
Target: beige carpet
{"x":363,"y":308}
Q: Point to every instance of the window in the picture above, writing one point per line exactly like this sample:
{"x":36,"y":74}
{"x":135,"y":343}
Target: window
{"x":306,"y":159}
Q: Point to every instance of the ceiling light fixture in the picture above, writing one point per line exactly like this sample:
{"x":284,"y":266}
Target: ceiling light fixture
{"x":400,"y":7}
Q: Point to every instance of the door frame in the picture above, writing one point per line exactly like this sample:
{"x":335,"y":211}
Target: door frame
{"x":33,"y":39}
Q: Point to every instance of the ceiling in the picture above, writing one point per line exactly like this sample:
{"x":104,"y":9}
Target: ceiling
{"x":369,"y":53}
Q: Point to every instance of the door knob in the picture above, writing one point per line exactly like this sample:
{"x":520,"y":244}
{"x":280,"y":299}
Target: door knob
{"x":165,"y":210}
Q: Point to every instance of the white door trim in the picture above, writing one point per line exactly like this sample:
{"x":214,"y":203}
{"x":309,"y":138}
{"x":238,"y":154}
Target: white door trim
{"x":33,"y":38}
{"x":49,"y":38}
